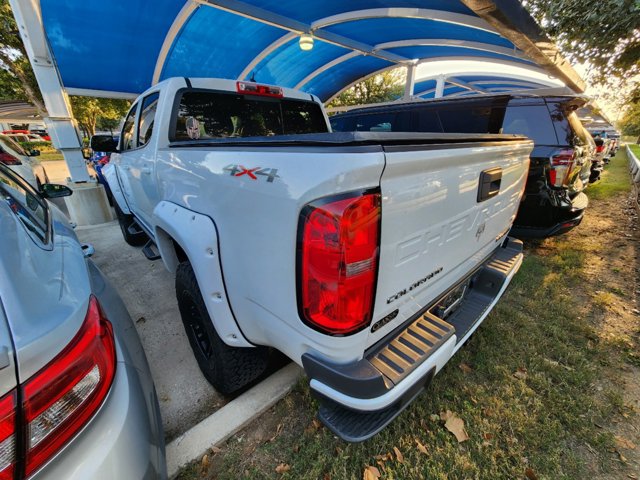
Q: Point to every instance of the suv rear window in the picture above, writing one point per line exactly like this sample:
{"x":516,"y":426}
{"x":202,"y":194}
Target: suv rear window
{"x":208,"y":114}
{"x":532,"y":121}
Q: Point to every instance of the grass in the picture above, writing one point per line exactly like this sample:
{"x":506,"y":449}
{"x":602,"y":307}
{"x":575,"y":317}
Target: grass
{"x":49,"y":154}
{"x":615,"y":178}
{"x":542,"y":424}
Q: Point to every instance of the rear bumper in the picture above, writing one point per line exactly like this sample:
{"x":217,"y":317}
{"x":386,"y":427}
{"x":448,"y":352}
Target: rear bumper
{"x":360,"y":399}
{"x":563,"y":220}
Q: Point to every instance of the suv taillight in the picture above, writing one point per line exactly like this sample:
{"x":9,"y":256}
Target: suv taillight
{"x":338,"y":262}
{"x":60,"y":399}
{"x":8,"y":435}
{"x":562,"y":162}
{"x":9,"y":159}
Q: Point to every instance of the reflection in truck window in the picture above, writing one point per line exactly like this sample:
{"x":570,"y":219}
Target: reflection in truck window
{"x":207,"y":114}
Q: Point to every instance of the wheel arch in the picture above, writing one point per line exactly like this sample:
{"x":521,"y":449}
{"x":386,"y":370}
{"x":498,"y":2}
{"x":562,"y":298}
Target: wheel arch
{"x":181,"y":234}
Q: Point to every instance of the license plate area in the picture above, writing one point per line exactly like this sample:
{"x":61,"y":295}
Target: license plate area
{"x":448,"y":304}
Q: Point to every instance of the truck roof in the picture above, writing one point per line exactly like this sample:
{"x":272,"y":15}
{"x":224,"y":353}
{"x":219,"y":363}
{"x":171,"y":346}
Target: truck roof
{"x":222,"y":84}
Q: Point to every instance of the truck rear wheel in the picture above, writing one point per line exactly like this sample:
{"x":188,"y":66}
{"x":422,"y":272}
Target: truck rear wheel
{"x":226,"y":368}
{"x":136,"y":239}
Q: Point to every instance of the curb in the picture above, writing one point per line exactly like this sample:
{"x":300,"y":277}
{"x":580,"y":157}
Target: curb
{"x":231,"y":418}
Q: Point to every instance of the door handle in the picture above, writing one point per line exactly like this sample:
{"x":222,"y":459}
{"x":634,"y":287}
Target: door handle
{"x":489,"y":185}
{"x":146,"y":170}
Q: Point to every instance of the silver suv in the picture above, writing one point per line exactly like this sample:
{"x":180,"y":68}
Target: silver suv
{"x":76,"y":396}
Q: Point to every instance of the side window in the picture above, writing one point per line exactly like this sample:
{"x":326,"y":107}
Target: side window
{"x":342,"y":124}
{"x":426,"y":120}
{"x":128,"y":129}
{"x":532,"y":121}
{"x":147,"y":116}
{"x":25,"y":204}
{"x":377,"y":122}
{"x":466,"y":120}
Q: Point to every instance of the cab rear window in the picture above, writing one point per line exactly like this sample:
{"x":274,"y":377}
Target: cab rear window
{"x":208,"y":114}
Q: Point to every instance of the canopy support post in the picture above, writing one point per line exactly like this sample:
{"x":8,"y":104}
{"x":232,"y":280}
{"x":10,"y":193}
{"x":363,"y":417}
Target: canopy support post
{"x":410,"y":82}
{"x":440,"y":86}
{"x":59,"y":121}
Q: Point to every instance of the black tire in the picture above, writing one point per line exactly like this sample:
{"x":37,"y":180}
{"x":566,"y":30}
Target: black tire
{"x":227,"y":368}
{"x":134,"y":239}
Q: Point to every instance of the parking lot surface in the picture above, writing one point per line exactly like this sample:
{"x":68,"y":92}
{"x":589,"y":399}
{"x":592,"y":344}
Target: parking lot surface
{"x":147,"y":289}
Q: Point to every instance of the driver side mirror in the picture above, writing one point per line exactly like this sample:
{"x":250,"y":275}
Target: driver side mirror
{"x":34,"y":153}
{"x":53,"y":190}
{"x":103,"y":143}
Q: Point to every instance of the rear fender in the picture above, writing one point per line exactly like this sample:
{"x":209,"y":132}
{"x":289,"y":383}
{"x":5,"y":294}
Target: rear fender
{"x":196,"y":234}
{"x":111,"y":176}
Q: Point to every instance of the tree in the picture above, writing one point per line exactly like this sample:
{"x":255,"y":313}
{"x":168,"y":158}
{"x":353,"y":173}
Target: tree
{"x":89,"y":111}
{"x":630,"y":123}
{"x":603,"y":34}
{"x":17,"y":81}
{"x":384,"y":87}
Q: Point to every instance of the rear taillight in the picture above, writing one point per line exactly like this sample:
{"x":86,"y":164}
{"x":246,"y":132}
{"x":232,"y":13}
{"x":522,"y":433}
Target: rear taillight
{"x":599,"y":148}
{"x":9,"y":159}
{"x":562,"y":162}
{"x":60,"y":399}
{"x":338,"y":262}
{"x":8,"y":435}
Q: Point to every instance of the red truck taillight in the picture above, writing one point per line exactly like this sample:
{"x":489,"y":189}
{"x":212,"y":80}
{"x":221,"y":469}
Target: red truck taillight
{"x":562,"y":162}
{"x":61,"y":398}
{"x":338,"y":262}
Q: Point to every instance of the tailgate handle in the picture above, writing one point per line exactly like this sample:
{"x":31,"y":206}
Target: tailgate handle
{"x":489,"y":185}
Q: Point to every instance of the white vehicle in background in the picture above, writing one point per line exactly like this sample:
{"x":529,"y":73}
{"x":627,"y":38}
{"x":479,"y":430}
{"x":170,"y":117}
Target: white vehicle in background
{"x":23,"y":163}
{"x":367,"y":258}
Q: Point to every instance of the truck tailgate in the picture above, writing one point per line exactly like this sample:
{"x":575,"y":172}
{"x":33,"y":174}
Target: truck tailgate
{"x":437,"y":225}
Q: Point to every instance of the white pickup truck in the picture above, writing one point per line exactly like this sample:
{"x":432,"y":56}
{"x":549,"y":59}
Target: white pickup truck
{"x":367,"y":258}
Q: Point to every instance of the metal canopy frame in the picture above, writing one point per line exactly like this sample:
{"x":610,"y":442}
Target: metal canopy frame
{"x":60,"y":122}
{"x":346,"y":59}
{"x":504,"y":19}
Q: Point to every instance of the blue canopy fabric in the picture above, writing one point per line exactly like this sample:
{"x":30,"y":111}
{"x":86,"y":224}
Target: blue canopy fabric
{"x":125,"y":46}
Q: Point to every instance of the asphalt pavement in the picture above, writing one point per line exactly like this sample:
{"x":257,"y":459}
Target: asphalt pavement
{"x":148,"y":291}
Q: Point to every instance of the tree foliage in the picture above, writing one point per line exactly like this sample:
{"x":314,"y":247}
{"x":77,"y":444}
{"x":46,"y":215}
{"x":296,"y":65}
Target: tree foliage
{"x":630,"y":122}
{"x":17,"y":81}
{"x":384,"y":87}
{"x":604,"y":34}
{"x":91,"y":112}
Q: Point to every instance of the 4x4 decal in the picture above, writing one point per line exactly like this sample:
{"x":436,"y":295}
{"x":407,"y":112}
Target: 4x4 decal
{"x":241,"y":170}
